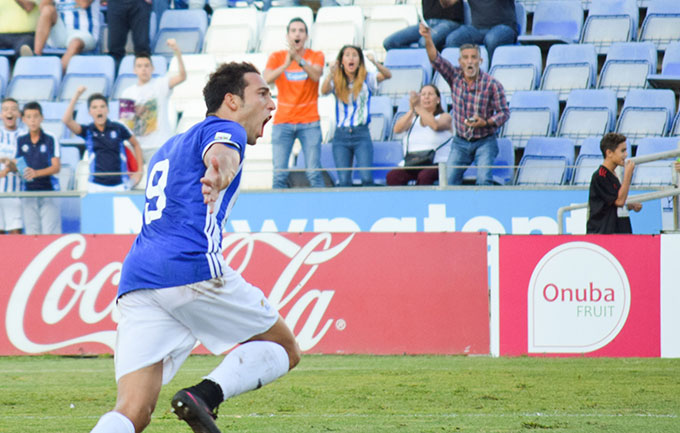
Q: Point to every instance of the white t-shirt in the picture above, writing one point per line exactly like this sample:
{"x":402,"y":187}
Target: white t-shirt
{"x":150,"y":124}
{"x":425,"y":138}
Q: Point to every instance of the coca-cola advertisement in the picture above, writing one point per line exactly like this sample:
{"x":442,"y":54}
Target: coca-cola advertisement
{"x":580,"y":295}
{"x":377,"y":293}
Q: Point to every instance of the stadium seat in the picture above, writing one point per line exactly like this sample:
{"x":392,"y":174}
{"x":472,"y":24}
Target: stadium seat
{"x":239,"y":26}
{"x":670,"y":69}
{"x":646,"y":113}
{"x":452,"y":54}
{"x":381,"y":117}
{"x":273,"y":35}
{"x":193,"y":113}
{"x":126,"y":74}
{"x":411,"y":69}
{"x":588,"y":160}
{"x":627,"y":66}
{"x":532,"y":114}
{"x":555,"y":21}
{"x":662,"y":23}
{"x":521,"y":14}
{"x":4,"y":75}
{"x":384,"y":21}
{"x":517,"y":67}
{"x":186,"y":26}
{"x":590,"y":112}
{"x":336,"y":26}
{"x":654,"y":173}
{"x":198,"y":68}
{"x":326,"y":105}
{"x":327,"y":161}
{"x":35,"y":79}
{"x":675,"y":129}
{"x":546,"y":161}
{"x":371,"y":8}
{"x":386,"y":155}
{"x":52,"y":114}
{"x":94,"y":72}
{"x":403,"y":106}
{"x":610,"y":21}
{"x":569,"y":67}
{"x":503,"y":171}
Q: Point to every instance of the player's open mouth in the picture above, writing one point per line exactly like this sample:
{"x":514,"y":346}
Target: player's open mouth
{"x":297,"y":41}
{"x":264,"y":123}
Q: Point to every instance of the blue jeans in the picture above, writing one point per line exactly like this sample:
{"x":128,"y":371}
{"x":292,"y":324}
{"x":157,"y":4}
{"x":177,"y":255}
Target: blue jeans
{"x":410,"y":35}
{"x":349,"y":143}
{"x":483,"y":152}
{"x":490,"y":38}
{"x":283,"y":137}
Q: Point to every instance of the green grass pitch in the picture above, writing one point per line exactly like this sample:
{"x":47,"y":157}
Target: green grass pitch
{"x":371,"y":394}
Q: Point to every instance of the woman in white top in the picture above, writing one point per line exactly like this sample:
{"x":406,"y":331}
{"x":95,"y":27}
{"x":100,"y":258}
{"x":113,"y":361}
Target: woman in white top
{"x":353,"y":86}
{"x":429,"y":127}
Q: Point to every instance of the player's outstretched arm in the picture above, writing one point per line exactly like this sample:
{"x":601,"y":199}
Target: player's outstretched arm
{"x":221,"y":167}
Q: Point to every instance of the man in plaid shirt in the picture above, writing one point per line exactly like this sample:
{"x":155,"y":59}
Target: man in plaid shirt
{"x":479,"y":109}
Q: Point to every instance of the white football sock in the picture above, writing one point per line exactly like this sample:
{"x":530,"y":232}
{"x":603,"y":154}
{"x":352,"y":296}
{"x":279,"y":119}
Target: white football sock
{"x":114,"y":422}
{"x":250,"y":366}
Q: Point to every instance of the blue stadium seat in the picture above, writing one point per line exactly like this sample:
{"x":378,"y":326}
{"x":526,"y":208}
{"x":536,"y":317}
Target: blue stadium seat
{"x":386,"y":155}
{"x":662,"y":23}
{"x":569,"y":67}
{"x":381,"y":117}
{"x":4,"y":75}
{"x":657,"y":173}
{"x":327,"y":161}
{"x":52,"y":114}
{"x":546,"y":161}
{"x":126,"y":74}
{"x":402,"y":108}
{"x":35,"y":79}
{"x":411,"y":69}
{"x":452,"y":54}
{"x":517,"y":67}
{"x":646,"y":113}
{"x":503,"y":171}
{"x":186,"y":26}
{"x":627,"y":66}
{"x":675,"y":129}
{"x":670,"y":69}
{"x":532,"y":114}
{"x":70,"y":156}
{"x":588,"y":160}
{"x":555,"y":21}
{"x":610,"y":21}
{"x":590,"y":112}
{"x":94,"y":72}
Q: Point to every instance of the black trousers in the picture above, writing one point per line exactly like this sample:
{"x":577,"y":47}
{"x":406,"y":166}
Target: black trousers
{"x":14,"y":41}
{"x":123,"y":16}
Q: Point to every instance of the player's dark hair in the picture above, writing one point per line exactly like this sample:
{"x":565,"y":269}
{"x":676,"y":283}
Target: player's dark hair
{"x":143,"y":55}
{"x":611,"y":141}
{"x":228,"y":78}
{"x":297,"y":20}
{"x":33,"y":105}
{"x":93,"y":97}
{"x":8,"y":99}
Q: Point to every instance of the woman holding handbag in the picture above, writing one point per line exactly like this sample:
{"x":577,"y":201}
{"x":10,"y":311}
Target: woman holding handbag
{"x":429,"y":130}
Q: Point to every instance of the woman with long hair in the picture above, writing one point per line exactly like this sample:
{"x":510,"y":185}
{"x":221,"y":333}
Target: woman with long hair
{"x":353,"y":86}
{"x":429,"y":128}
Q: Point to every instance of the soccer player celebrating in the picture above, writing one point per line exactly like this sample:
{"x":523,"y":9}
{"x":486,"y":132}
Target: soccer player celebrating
{"x":175,"y":287}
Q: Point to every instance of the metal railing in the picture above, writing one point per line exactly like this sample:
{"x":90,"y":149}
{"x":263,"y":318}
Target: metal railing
{"x":673,"y":191}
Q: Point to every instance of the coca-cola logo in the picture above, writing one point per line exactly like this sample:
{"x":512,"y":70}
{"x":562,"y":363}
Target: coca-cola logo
{"x":74,"y":291}
{"x":578,"y":299}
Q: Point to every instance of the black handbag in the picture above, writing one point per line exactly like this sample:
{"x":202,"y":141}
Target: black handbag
{"x":420,"y":158}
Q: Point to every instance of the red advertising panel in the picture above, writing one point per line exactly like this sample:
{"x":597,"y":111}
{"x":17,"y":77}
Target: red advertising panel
{"x":574,"y":295}
{"x":341,"y":293}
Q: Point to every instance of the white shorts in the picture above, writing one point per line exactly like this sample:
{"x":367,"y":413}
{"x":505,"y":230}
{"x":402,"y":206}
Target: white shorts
{"x":10,"y":214}
{"x":164,"y":324}
{"x":61,"y":36}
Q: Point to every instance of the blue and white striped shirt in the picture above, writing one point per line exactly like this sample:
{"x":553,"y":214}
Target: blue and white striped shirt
{"x":357,"y":112}
{"x":8,"y":149}
{"x":75,"y":17}
{"x":181,"y":242}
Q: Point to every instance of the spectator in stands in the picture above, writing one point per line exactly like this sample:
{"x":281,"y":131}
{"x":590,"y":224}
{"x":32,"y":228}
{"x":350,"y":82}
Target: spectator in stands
{"x":479,"y":109}
{"x":40,"y":153}
{"x":18,"y":19}
{"x":494,"y":23}
{"x":69,"y":24}
{"x":150,"y":97}
{"x":608,"y":212}
{"x":123,"y":16}
{"x":353,"y":86}
{"x":442,"y":20}
{"x":296,"y":73}
{"x":105,"y":142}
{"x":429,"y":129}
{"x":10,"y":208}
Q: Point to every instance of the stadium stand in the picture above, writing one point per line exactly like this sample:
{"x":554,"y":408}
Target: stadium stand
{"x":588,"y":160}
{"x":410,"y":68}
{"x":336,"y":26}
{"x":517,"y":67}
{"x":546,"y":161}
{"x":610,"y":21}
{"x":239,"y":26}
{"x":555,"y":22}
{"x":381,"y":117}
{"x":94,"y":72}
{"x":383,"y":21}
{"x":273,"y":35}
{"x":670,"y":69}
{"x":661,"y":25}
{"x":4,"y":75}
{"x":569,"y":67}
{"x":590,"y":112}
{"x":655,"y":173}
{"x":186,"y":26}
{"x":532,"y":114}
{"x":35,"y":79}
{"x":646,"y":113}
{"x":627,"y":66}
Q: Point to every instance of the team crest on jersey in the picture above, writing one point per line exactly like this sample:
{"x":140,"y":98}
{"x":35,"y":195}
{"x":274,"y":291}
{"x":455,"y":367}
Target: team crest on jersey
{"x":223,"y":136}
{"x":113,"y":134}
{"x":24,"y":148}
{"x":43,"y":148}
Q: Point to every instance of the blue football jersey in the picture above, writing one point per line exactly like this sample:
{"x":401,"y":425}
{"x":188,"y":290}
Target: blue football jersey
{"x":180,"y":241}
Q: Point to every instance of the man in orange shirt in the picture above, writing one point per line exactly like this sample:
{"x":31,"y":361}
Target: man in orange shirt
{"x":296,"y":73}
